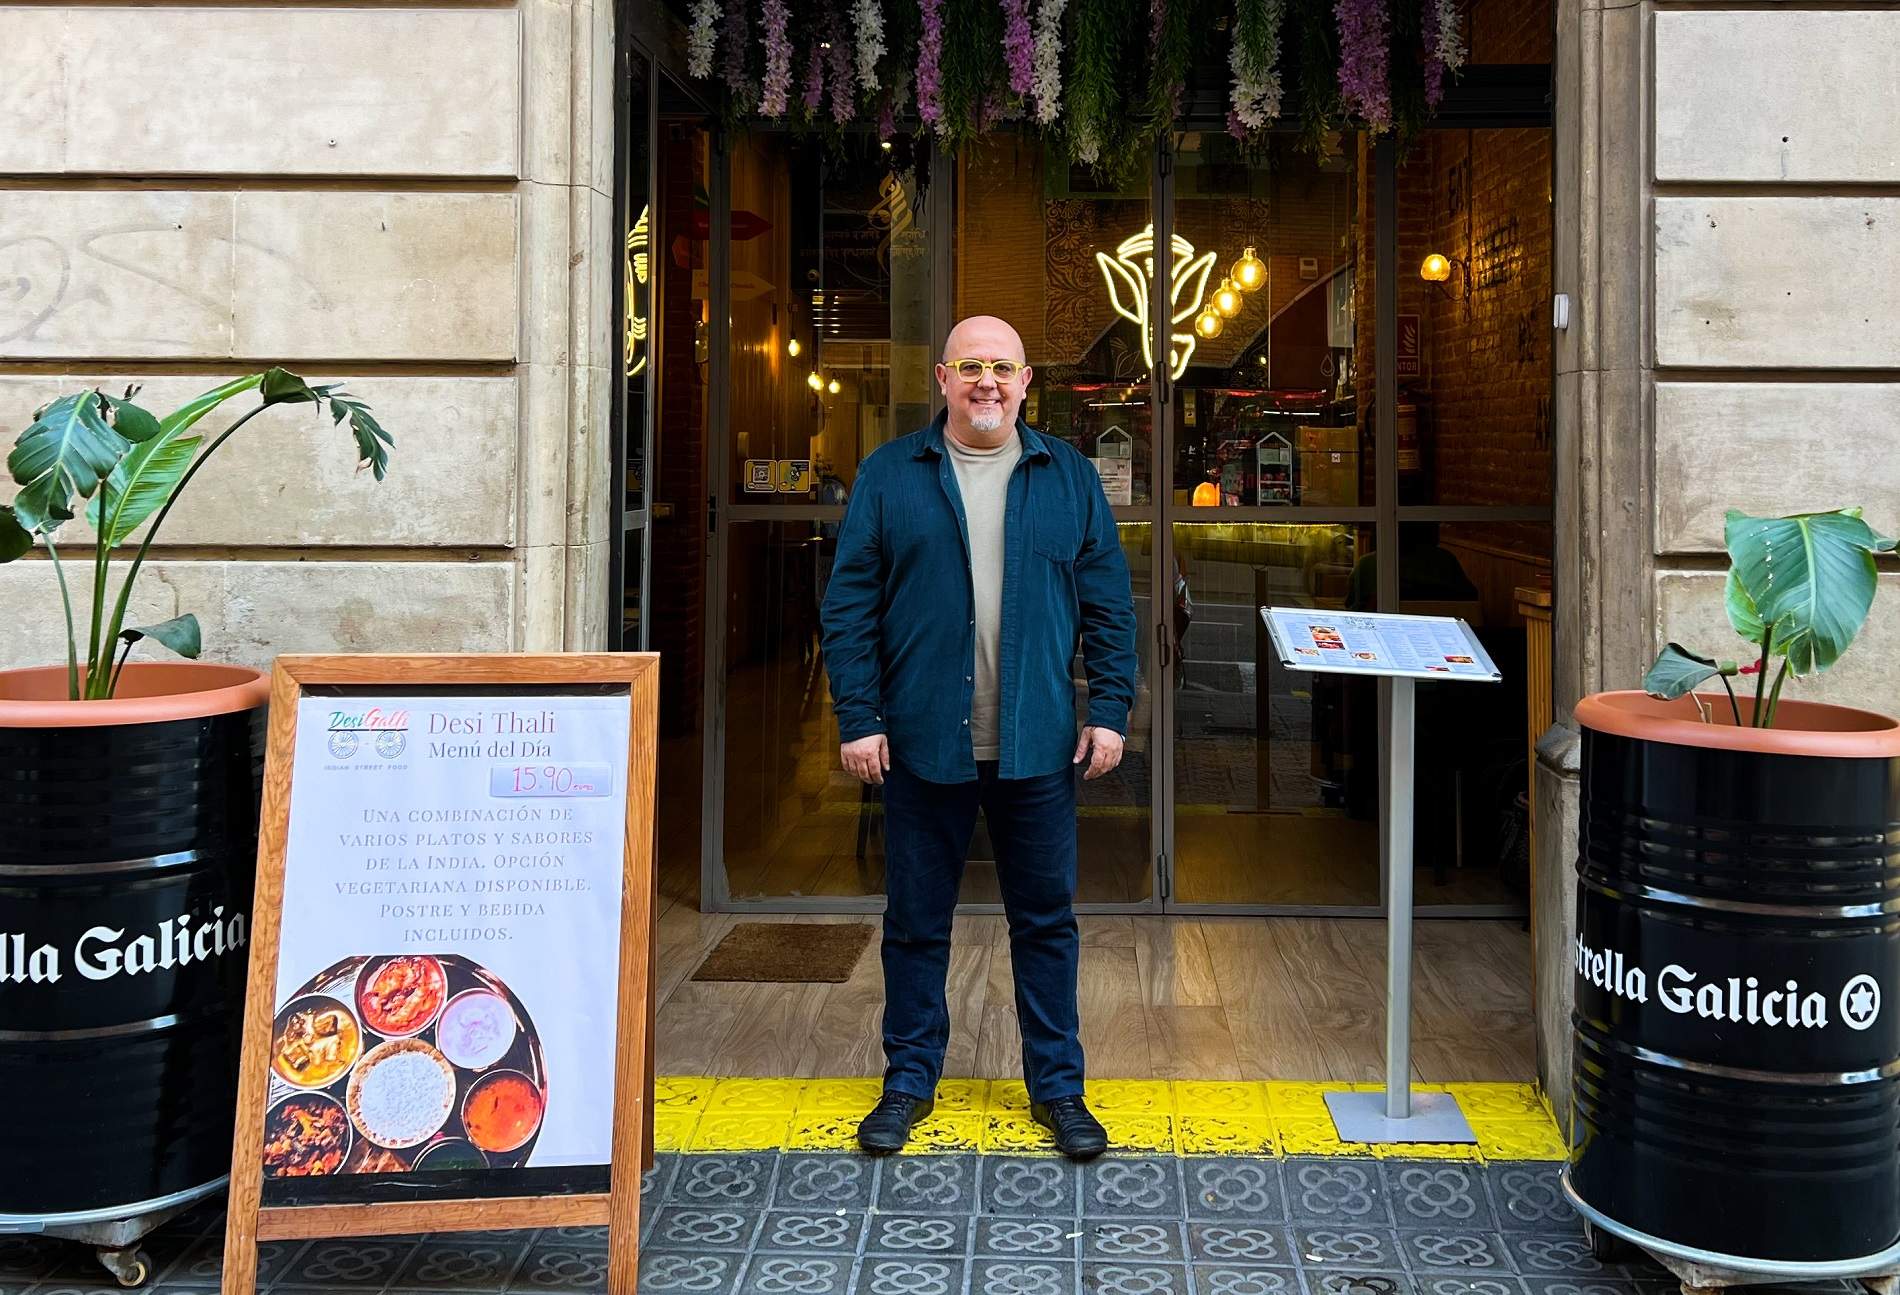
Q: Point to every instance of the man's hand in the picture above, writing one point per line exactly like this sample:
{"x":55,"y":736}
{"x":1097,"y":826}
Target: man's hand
{"x":868,"y":758}
{"x":1102,"y":747}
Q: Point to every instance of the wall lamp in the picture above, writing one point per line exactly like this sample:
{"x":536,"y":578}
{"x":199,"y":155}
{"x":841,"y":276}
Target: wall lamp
{"x":1437,"y":267}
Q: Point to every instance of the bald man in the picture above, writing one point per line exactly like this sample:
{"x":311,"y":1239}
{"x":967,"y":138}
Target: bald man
{"x":975,"y":556}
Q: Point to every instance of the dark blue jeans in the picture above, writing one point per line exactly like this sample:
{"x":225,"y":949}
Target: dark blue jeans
{"x":927,"y":831}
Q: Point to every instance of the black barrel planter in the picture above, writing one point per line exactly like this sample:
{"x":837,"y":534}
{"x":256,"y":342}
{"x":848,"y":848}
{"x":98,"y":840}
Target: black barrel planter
{"x":128,"y":844}
{"x":1736,"y":1066}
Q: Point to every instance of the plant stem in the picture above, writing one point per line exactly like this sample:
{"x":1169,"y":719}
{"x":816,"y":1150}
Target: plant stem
{"x":138,"y":560}
{"x":1733,"y":705}
{"x":1774,"y":696}
{"x":101,"y":559}
{"x":1761,"y":671}
{"x":119,"y":669}
{"x":72,"y":644}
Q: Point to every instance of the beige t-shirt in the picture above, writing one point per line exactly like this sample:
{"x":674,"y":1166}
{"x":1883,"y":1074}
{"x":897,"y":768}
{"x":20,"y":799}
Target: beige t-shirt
{"x":983,"y":480}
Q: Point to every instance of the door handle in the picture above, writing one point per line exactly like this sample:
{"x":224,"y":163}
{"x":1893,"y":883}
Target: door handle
{"x":1164,"y":645}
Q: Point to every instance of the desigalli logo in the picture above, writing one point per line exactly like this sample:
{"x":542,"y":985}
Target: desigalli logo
{"x":1736,"y":999}
{"x":387,"y":729}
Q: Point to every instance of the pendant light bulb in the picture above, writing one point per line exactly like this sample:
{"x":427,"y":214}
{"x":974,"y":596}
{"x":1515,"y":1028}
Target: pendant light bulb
{"x":815,"y":382}
{"x":1249,"y":271}
{"x":1227,"y":299}
{"x":1208,"y":323}
{"x":792,"y":348}
{"x":833,"y":387}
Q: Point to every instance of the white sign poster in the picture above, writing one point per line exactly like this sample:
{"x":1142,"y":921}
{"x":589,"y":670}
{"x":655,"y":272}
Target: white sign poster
{"x":1426,"y":647}
{"x":1115,"y":464}
{"x":448,"y":968}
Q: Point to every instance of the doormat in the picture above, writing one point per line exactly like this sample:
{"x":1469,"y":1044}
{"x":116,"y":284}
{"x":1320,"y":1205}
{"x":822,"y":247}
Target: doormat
{"x":788,"y":953}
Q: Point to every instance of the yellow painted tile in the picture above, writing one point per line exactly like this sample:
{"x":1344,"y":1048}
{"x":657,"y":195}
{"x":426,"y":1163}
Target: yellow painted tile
{"x":823,"y":1131}
{"x":1519,"y":1140}
{"x":1017,"y":1134}
{"x":757,"y":1096}
{"x":673,"y":1129}
{"x":840,"y":1096}
{"x":1130,"y":1096}
{"x":1500,"y":1101}
{"x":1153,"y":1133}
{"x":1009,"y":1095}
{"x":1426,"y":1151}
{"x":954,"y":1131}
{"x":968,"y":1096}
{"x":682,"y":1092}
{"x":1227,"y":1135}
{"x":1315,"y":1138}
{"x":728,"y":1132}
{"x":1299,"y":1101}
{"x":1213,"y":1097}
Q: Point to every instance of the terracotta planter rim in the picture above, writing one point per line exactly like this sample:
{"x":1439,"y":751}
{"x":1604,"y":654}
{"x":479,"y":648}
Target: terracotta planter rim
{"x":151,"y":692}
{"x":1807,"y":728}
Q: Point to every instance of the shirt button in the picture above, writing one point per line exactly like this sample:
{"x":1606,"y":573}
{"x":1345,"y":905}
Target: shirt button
{"x":966,"y":723}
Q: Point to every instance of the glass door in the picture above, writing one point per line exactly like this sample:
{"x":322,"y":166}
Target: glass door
{"x":633,"y":409}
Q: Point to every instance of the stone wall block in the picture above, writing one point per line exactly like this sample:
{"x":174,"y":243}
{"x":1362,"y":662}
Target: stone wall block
{"x":116,"y":90}
{"x":1778,"y":282}
{"x":541,"y":598}
{"x":601,"y":99}
{"x":1554,"y":910}
{"x":1623,"y":131}
{"x":588,"y":604}
{"x":290,"y":477}
{"x":1690,"y":611}
{"x":1778,"y":97}
{"x":596,"y":491}
{"x":547,"y":270}
{"x":418,"y":276}
{"x":1772,"y":448}
{"x":252,"y":611}
{"x":548,"y":81}
{"x":146,"y":275}
{"x":547,"y":397}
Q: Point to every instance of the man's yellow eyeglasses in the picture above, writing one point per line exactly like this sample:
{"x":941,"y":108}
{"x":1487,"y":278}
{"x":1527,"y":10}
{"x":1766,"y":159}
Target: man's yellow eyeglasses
{"x":973,"y":370}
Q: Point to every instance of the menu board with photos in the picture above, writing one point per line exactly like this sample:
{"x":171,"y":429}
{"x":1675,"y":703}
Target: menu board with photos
{"x":451,"y":955}
{"x":1378,"y":643}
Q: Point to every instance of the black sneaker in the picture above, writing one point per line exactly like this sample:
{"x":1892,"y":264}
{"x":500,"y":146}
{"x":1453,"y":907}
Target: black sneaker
{"x":1079,"y":1135}
{"x":887,"y":1128}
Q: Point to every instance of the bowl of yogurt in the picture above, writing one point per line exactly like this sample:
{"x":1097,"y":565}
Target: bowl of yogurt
{"x":476,"y":1029}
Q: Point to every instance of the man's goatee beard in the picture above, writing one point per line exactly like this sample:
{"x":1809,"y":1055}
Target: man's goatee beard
{"x":986,"y":422}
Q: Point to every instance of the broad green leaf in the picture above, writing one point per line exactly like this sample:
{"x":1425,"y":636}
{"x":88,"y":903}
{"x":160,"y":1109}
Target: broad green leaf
{"x":372,"y":442}
{"x":131,"y":421}
{"x":186,"y":415}
{"x":68,"y":449}
{"x":15,"y":539}
{"x":1811,"y":575}
{"x":180,"y":634}
{"x":142,"y":483}
{"x":1677,"y":671}
{"x":1741,"y":610}
{"x":282,"y":387}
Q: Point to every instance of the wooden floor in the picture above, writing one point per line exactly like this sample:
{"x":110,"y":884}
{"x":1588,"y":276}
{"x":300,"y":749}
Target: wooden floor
{"x":1162,"y":998}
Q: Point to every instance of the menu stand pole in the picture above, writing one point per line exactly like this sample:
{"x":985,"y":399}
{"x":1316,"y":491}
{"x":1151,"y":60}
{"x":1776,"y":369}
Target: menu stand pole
{"x":1399,"y":1115}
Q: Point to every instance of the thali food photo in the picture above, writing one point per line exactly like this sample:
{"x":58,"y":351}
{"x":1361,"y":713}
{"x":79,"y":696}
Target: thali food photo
{"x":403,"y":1063}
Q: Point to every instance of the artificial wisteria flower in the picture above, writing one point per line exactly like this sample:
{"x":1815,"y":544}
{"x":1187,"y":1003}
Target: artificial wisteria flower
{"x":843,"y":97}
{"x":868,"y":17}
{"x":1443,"y":48}
{"x":1019,"y":46}
{"x":701,"y":39}
{"x":814,"y":96}
{"x":1047,"y":78}
{"x":1364,"y":75}
{"x":1255,"y":62}
{"x":930,"y":64}
{"x":778,"y":60}
{"x":736,"y":36}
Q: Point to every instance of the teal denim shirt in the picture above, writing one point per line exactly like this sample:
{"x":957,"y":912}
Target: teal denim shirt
{"x":899,"y":619}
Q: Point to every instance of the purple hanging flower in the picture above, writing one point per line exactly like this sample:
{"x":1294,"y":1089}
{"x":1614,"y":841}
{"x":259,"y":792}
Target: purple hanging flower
{"x":930,"y":63}
{"x":1364,"y":76}
{"x":1019,"y":46}
{"x":843,"y":93}
{"x":778,"y":60}
{"x":814,"y":96}
{"x":735,"y":36}
{"x":887,"y":119}
{"x":1434,"y":65}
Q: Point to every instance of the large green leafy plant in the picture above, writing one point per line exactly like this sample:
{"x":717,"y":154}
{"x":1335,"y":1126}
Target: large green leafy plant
{"x":1798,"y":588}
{"x":132,"y":466}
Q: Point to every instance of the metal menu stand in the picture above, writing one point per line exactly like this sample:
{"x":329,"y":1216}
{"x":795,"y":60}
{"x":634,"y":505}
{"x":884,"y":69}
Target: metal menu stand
{"x":1404,"y":649}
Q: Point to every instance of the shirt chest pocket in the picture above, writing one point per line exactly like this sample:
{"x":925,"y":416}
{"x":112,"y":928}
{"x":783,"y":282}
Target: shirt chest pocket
{"x":1056,"y":535}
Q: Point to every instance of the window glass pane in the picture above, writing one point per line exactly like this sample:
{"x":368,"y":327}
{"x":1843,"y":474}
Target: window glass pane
{"x":830,"y":314}
{"x":1474,"y":319}
{"x":1274,"y":263}
{"x":1067,"y":263}
{"x":636,"y":270}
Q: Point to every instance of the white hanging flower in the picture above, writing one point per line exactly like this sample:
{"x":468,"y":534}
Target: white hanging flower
{"x":1256,"y":82}
{"x":868,"y":17}
{"x":1087,"y":144}
{"x":1048,"y":70}
{"x":1451,"y":47}
{"x":700,"y":40}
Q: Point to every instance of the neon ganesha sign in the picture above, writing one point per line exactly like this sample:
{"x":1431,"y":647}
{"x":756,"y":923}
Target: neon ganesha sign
{"x":1130,"y":272}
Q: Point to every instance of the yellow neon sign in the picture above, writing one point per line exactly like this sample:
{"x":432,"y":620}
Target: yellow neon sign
{"x":1128,"y":274}
{"x":636,"y":276}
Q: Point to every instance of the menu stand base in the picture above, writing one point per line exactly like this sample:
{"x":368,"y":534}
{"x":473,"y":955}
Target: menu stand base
{"x":1435,"y":1117}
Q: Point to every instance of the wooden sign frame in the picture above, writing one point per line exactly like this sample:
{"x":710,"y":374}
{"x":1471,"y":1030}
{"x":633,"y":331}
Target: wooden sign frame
{"x":249,"y":1221}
